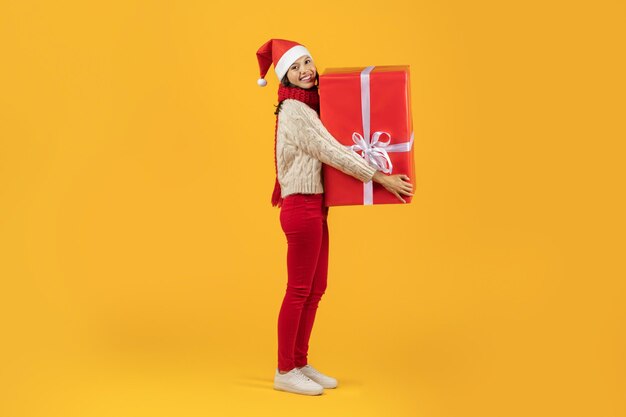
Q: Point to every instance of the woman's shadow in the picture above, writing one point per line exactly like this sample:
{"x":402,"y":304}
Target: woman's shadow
{"x":268,"y":383}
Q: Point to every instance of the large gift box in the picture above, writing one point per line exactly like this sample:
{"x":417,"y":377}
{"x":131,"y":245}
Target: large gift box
{"x":368,"y":110}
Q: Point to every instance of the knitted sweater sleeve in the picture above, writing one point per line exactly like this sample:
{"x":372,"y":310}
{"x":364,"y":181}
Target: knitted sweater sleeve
{"x":316,"y":141}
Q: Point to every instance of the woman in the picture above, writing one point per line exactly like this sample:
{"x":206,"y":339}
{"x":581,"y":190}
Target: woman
{"x":302,"y":144}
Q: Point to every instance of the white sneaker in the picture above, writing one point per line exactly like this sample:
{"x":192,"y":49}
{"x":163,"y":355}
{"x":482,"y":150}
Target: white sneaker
{"x":295,"y":381}
{"x":324,"y":380}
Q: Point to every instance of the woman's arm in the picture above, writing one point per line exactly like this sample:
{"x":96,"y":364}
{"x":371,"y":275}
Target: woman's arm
{"x":316,"y":141}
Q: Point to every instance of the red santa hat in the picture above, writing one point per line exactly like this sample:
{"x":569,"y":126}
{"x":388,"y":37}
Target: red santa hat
{"x":280,"y":52}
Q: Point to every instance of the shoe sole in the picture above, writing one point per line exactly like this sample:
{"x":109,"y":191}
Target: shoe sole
{"x":289,"y":389}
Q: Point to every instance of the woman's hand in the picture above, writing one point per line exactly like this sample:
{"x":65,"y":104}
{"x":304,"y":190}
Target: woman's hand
{"x":396,"y":184}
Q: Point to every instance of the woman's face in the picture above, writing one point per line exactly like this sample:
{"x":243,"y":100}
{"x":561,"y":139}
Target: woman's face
{"x":302,"y":72}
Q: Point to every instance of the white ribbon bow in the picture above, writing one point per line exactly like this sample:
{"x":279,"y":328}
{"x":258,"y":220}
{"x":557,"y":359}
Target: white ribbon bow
{"x":373,"y":151}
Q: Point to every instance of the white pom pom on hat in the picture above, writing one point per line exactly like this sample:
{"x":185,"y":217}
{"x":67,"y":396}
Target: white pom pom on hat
{"x":280,"y":52}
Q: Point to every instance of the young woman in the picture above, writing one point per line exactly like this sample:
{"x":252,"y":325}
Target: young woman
{"x":302,"y":144}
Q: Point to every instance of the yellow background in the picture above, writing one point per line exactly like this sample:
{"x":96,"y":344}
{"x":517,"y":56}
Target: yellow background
{"x":142,"y":266}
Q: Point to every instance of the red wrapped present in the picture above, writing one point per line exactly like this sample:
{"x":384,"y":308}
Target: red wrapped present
{"x":368,"y":110}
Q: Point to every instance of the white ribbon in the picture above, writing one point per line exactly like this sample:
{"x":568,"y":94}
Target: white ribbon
{"x":373,"y":150}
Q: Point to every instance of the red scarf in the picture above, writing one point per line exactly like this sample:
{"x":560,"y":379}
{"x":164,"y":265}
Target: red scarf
{"x":312,"y":99}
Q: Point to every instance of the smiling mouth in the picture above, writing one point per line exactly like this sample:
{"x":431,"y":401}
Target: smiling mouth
{"x":307,"y":78}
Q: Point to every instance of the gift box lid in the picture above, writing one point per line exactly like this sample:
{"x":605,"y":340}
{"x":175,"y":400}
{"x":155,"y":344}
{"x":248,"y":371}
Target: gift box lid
{"x":357,"y":70}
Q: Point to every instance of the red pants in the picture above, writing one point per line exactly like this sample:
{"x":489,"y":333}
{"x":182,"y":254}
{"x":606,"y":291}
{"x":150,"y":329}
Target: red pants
{"x":303,"y":219}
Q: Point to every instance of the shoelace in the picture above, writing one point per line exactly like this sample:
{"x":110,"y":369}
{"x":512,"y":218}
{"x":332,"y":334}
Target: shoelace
{"x":301,"y":376}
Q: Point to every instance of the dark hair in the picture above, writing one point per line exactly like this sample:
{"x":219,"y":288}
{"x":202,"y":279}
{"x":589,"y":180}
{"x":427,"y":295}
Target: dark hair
{"x":286,"y":83}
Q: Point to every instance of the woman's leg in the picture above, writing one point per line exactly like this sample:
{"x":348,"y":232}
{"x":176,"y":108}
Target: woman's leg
{"x":303,"y":229}
{"x":310,"y":306}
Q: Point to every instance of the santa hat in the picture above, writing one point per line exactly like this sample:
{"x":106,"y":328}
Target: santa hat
{"x":280,"y":52}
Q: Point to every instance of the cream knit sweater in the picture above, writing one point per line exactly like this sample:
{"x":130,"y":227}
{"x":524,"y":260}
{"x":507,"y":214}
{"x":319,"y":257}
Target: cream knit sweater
{"x":302,"y":144}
